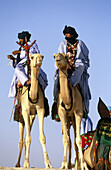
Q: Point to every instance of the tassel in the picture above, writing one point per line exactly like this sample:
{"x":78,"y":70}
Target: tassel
{"x":9,"y":62}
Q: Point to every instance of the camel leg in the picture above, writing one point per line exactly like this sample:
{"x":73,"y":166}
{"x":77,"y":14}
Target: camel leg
{"x":64,"y":125}
{"x":69,"y":146}
{"x":32,"y":118}
{"x":75,"y":146}
{"x":66,"y":146}
{"x":28,"y":136}
{"x":42,"y":137}
{"x":79,"y":141}
{"x":110,"y":155}
{"x":21,"y":131}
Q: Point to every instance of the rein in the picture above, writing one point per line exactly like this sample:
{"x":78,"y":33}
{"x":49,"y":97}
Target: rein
{"x":33,"y":102}
{"x":64,"y":73}
{"x":24,"y":91}
{"x":63,"y":105}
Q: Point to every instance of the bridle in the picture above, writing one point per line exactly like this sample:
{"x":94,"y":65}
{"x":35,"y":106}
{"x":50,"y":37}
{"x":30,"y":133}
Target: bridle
{"x":33,"y":102}
{"x":63,"y":73}
{"x":36,"y":100}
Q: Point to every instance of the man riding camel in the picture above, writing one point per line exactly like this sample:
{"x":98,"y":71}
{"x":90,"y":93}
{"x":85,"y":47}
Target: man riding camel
{"x":78,"y":63}
{"x":21,"y":66}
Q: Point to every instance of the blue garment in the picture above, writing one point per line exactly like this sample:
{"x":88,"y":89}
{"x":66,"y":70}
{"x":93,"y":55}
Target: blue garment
{"x":109,"y":108}
{"x":21,"y":71}
{"x":86,"y":125}
{"x":80,"y":74}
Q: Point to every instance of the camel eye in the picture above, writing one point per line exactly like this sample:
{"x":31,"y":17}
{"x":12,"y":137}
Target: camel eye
{"x":32,"y":57}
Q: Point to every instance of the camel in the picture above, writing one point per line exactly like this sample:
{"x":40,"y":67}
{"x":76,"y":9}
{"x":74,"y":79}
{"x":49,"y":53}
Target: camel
{"x":32,"y":99}
{"x":70,"y":111}
{"x":91,"y":154}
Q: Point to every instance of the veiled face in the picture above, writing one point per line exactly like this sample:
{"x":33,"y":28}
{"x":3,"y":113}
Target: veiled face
{"x":60,"y":60}
{"x":68,"y":35}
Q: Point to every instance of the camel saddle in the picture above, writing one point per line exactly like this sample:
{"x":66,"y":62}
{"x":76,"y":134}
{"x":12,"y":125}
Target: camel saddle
{"x":18,"y":108}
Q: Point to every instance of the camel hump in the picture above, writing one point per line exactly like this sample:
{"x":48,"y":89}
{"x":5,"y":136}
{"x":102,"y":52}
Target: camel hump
{"x":102,"y":109}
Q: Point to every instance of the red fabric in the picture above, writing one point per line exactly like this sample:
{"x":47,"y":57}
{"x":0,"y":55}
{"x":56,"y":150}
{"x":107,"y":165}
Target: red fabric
{"x":86,"y":139}
{"x":21,"y":110}
{"x":72,"y":49}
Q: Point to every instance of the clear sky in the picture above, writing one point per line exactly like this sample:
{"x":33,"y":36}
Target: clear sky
{"x":45,"y":20}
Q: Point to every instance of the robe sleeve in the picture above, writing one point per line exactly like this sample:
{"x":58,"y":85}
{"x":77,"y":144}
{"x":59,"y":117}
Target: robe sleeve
{"x":43,"y":79}
{"x":62,"y":47}
{"x":82,"y":55}
{"x":34,"y":49}
{"x":81,"y":63}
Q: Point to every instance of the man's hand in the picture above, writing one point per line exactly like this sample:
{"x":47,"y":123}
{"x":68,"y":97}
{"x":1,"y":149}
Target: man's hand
{"x":11,"y":57}
{"x":16,"y":52}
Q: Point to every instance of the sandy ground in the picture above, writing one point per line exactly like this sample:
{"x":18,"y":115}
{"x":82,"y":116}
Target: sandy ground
{"x":21,"y":168}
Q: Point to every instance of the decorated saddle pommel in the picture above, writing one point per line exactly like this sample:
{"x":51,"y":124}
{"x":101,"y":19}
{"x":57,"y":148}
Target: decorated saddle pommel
{"x":103,"y":109}
{"x":26,"y":47}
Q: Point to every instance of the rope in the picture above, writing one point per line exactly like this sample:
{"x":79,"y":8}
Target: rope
{"x":33,"y":102}
{"x":25,"y":91}
{"x":64,"y":73}
{"x":12,"y":109}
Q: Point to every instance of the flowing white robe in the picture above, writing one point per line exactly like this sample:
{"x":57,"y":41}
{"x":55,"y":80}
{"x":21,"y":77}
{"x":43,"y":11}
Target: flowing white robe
{"x":21,"y":71}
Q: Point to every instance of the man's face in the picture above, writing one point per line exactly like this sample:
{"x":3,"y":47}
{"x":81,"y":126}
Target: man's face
{"x":21,"y":41}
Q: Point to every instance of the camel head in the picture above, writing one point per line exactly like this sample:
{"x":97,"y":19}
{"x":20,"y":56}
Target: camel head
{"x":36,"y":60}
{"x":60,"y":60}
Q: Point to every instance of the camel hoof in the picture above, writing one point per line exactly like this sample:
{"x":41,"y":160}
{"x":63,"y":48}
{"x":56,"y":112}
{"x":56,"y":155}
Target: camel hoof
{"x":26,"y":165}
{"x":17,"y":165}
{"x":48,"y":164}
{"x":64,"y":165}
{"x":70,"y":166}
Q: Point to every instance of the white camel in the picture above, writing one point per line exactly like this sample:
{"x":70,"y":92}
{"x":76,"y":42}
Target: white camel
{"x":70,"y":110}
{"x":33,"y":98}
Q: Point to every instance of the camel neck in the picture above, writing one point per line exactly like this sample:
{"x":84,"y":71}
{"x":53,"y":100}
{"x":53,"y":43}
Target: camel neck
{"x":34,"y":83}
{"x":64,"y":89}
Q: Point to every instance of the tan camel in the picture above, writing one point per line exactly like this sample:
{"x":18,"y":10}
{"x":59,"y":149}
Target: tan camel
{"x":70,"y":113}
{"x":32,"y":99}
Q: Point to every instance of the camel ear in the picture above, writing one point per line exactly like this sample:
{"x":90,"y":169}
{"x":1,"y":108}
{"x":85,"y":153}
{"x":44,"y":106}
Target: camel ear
{"x":54,"y":55}
{"x":102,"y":109}
{"x":42,"y":56}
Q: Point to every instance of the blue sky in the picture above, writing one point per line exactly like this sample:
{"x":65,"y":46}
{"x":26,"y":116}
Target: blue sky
{"x":45,"y":20}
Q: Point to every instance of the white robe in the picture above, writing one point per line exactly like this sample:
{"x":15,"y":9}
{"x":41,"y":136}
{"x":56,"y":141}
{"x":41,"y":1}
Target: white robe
{"x":21,"y":71}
